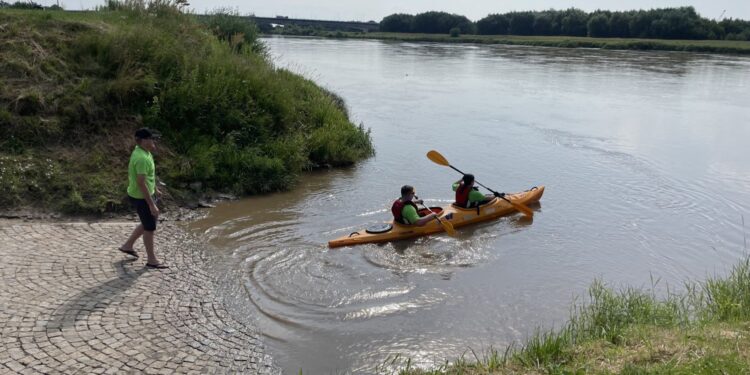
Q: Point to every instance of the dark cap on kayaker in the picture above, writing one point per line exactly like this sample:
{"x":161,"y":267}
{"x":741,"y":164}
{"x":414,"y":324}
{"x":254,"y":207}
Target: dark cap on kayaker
{"x":468,"y":178}
{"x":406,"y":189}
{"x":146,"y":133}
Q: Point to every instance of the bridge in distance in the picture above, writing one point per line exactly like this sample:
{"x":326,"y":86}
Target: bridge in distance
{"x":367,"y":27}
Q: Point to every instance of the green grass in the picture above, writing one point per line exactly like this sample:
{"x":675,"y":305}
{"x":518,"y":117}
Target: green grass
{"x":703,"y":330}
{"x":709,"y":46}
{"x":75,"y":85}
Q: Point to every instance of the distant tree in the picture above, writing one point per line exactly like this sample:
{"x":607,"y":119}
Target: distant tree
{"x":573,"y":22}
{"x":429,"y":22}
{"x":464,"y":24}
{"x":397,"y":23}
{"x":733,"y":29}
{"x":441,"y":23}
{"x":467,"y":27}
{"x":640,"y":24}
{"x":493,"y":24}
{"x":25,"y":5}
{"x":598,"y":26}
{"x":455,"y":32}
{"x":618,"y":25}
{"x":688,"y":24}
{"x":521,"y":23}
{"x":734,"y":26}
{"x":543,"y":24}
{"x":677,"y":23}
{"x":660,"y":28}
{"x":668,"y":23}
{"x":713,"y":29}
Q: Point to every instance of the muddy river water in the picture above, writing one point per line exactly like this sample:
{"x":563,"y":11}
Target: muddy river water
{"x":645,"y":156}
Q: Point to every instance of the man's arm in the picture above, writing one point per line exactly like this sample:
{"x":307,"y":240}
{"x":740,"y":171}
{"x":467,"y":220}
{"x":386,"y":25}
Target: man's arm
{"x":411,"y":215}
{"x":426,"y":219}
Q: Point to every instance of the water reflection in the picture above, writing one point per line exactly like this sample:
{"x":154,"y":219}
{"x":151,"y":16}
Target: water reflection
{"x":676,"y":63}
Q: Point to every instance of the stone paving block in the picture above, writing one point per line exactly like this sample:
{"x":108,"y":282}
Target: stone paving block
{"x":71,"y":303}
{"x":15,"y":366}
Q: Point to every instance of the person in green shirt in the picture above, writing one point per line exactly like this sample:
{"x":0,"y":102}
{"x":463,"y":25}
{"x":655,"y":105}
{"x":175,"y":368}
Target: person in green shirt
{"x":466,"y":194}
{"x":405,"y":210}
{"x":141,"y":191}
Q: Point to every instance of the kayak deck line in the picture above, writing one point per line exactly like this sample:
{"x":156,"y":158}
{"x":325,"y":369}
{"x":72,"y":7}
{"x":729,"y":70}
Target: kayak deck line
{"x":457,"y":216}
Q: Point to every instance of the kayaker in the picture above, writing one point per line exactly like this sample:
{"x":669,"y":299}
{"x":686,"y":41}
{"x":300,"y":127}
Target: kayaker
{"x":467,"y":196}
{"x":405,"y":209}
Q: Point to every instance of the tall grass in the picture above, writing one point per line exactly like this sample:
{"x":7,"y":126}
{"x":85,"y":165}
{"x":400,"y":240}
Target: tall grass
{"x":159,"y":8}
{"x":726,"y":299}
{"x":617,"y":319}
{"x":81,"y":83}
{"x":609,"y":315}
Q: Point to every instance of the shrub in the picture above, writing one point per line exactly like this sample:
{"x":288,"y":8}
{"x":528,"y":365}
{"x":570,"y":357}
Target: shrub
{"x":239,"y":32}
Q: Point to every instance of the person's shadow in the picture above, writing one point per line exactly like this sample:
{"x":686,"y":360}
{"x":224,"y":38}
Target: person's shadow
{"x":96,"y":298}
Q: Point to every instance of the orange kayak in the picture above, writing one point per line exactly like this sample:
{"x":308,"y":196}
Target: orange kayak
{"x":457,"y":216}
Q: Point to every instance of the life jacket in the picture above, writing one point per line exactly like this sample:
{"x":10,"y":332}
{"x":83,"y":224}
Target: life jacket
{"x":398,"y":207}
{"x":462,"y":195}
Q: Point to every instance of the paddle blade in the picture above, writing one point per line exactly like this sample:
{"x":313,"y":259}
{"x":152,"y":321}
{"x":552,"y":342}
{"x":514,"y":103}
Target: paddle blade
{"x":524,"y":210}
{"x":437,"y":158}
{"x":448,"y":228}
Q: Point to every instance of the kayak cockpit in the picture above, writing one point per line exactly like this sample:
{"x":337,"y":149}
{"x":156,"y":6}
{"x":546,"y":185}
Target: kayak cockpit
{"x":425,"y":212}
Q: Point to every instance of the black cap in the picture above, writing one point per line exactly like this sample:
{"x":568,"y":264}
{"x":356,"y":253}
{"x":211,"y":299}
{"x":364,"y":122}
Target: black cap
{"x":146,"y":133}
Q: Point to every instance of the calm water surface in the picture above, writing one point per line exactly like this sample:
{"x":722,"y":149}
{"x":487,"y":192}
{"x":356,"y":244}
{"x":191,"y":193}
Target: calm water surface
{"x":645,"y":157}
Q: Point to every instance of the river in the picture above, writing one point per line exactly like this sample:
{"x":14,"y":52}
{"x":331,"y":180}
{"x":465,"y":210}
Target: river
{"x":644,"y":156}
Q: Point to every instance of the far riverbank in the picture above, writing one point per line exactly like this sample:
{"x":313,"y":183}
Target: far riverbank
{"x":705,"y":46}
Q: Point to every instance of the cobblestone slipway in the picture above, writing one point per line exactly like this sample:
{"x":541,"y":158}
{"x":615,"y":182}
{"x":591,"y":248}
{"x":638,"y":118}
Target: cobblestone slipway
{"x":71,"y":303}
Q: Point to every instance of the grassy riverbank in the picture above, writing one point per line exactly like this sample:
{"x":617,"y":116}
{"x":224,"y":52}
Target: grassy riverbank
{"x":704,"y":330}
{"x":708,"y":46}
{"x":75,"y":85}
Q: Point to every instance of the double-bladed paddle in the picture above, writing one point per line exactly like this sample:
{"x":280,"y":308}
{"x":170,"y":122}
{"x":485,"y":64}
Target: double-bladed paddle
{"x":439,"y":159}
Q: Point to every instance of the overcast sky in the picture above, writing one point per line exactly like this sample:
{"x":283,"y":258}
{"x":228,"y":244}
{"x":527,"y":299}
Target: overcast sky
{"x":358,"y":10}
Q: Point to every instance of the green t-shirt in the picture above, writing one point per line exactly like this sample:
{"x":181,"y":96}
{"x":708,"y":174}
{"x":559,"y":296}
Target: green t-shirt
{"x":474,"y":195}
{"x":410,"y":215}
{"x":141,"y":162}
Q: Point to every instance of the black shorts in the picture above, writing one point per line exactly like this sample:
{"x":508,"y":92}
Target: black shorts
{"x":144,"y":213}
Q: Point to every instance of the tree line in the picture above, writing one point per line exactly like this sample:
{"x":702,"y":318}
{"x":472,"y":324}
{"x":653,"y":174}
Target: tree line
{"x":27,"y":5}
{"x":664,"y":23}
